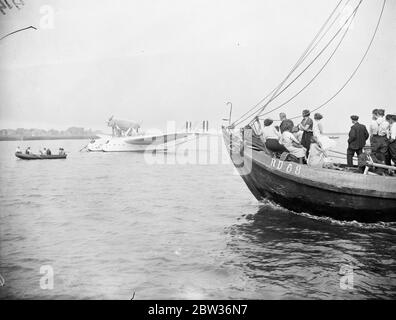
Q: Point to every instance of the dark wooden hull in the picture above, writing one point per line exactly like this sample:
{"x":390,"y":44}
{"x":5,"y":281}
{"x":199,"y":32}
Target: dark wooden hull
{"x":322,"y":192}
{"x":24,"y":156}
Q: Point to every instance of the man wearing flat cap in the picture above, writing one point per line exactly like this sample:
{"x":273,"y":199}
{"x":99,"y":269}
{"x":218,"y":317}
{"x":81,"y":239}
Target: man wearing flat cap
{"x":392,"y":138}
{"x":379,"y":141}
{"x":358,"y":136}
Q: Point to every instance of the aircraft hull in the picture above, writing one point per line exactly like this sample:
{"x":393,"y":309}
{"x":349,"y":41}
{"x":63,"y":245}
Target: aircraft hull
{"x":143,"y":143}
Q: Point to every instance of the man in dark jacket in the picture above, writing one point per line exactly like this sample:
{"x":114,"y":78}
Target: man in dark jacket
{"x":358,"y":136}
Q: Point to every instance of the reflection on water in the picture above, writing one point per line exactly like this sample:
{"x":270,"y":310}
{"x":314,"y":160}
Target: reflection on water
{"x":301,"y":256}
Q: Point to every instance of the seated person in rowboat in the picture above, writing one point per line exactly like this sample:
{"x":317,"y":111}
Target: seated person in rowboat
{"x":61,"y":151}
{"x":18,"y":150}
{"x":290,"y":142}
{"x":48,"y":152}
{"x":271,"y":136}
{"x":27,"y":151}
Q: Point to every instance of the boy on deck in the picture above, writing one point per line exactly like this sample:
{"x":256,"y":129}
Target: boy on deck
{"x":366,"y":157}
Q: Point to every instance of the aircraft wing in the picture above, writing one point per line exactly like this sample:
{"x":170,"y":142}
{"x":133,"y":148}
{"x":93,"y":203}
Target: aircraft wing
{"x":160,"y":139}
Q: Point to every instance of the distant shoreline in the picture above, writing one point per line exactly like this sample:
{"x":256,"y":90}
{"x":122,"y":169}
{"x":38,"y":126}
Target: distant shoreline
{"x":47,"y":138}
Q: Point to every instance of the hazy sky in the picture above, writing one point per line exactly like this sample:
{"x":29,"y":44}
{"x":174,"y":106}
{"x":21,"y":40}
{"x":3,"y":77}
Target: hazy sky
{"x":155,"y":61}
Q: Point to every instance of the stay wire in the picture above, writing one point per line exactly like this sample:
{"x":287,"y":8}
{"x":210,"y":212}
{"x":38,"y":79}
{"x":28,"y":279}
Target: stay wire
{"x":358,"y":66}
{"x":317,"y":74}
{"x":317,"y":56}
{"x":300,"y":60}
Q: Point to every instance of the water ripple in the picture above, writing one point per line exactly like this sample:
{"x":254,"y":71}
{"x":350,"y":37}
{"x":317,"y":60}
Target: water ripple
{"x":110,"y":225}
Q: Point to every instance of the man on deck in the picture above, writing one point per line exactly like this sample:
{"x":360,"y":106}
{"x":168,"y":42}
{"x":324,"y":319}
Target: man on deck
{"x":282,"y":117}
{"x":358,"y":136}
{"x":388,"y":156}
{"x":373,"y":125}
{"x":365,"y":159}
{"x":379,"y":143}
{"x":392,"y":139}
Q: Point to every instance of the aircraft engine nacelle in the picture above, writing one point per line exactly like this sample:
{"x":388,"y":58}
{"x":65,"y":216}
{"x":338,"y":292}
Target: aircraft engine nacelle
{"x":123,"y":125}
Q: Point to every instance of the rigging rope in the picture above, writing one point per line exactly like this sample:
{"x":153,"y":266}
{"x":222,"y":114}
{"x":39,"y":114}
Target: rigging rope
{"x":298,"y":63}
{"x":351,"y":17}
{"x":331,"y":40}
{"x":358,"y":66}
{"x":329,"y":27}
{"x":19,"y":30}
{"x":317,"y":74}
{"x":277,"y":93}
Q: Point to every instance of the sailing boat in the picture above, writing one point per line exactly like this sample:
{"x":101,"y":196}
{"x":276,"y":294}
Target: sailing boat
{"x":340,"y":194}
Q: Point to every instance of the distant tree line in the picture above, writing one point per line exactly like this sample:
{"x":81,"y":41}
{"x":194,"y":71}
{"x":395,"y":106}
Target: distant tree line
{"x":22,"y":133}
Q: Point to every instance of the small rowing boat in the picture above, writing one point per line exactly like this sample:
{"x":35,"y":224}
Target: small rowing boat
{"x":32,"y":156}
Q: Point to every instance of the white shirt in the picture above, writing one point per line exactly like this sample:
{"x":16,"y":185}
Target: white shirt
{"x":270,"y":132}
{"x":393,"y":131}
{"x":317,"y":128}
{"x":383,"y":126}
{"x":373,"y":128}
{"x":288,"y":138}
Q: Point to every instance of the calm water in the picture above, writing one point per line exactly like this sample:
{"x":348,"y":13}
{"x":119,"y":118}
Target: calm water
{"x":109,"y":225}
